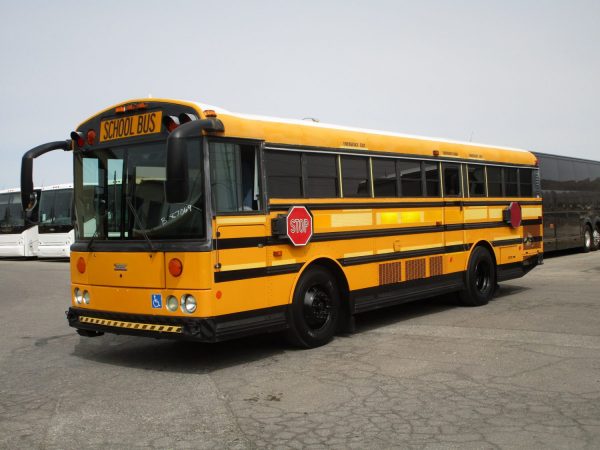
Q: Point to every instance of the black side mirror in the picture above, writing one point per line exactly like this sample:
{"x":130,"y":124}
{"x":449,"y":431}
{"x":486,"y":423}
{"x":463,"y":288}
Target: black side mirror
{"x":176,"y":185}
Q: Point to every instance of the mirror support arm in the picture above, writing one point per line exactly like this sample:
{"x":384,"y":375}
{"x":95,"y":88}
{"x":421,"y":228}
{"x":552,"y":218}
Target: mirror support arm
{"x":27,"y":167}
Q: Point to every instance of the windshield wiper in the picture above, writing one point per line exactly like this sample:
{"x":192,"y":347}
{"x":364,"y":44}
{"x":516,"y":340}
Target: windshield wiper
{"x":139,"y":222}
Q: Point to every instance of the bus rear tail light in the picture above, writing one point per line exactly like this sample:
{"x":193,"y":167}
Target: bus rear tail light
{"x":175,"y":267}
{"x":186,"y":117}
{"x":81,"y":265}
{"x":78,"y":138}
{"x":91,"y":137}
{"x":170,"y":123}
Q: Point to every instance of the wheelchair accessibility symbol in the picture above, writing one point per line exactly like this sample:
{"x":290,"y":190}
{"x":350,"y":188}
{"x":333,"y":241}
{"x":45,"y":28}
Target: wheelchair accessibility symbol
{"x":156,"y":300}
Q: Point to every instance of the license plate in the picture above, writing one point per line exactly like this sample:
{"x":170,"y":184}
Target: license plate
{"x":130,"y":126}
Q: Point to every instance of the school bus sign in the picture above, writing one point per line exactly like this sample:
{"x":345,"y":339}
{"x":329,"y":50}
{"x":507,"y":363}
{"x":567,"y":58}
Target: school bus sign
{"x":299,"y":225}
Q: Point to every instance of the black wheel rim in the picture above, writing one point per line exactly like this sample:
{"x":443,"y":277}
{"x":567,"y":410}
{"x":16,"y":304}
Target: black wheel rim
{"x":482,"y":277}
{"x":317,"y":307}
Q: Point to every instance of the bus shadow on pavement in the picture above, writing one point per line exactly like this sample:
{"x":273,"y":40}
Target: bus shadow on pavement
{"x":425,"y":307}
{"x":201,"y":358}
{"x":178,"y":356}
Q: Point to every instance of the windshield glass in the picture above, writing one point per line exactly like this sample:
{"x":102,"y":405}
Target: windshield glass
{"x":11,"y":211}
{"x":55,"y":207}
{"x":120,"y":194}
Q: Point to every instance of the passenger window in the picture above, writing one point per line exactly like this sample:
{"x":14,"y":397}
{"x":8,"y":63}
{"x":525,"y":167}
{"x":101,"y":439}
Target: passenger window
{"x":494,"y":178}
{"x":432,"y":179}
{"x":511,"y":185}
{"x":234,"y":177}
{"x":526,"y":182}
{"x":410,"y":178}
{"x":385,"y":183}
{"x":451,"y":180}
{"x":355,"y":176}
{"x":284,"y":174}
{"x":476,"y":176}
{"x":322,"y":178}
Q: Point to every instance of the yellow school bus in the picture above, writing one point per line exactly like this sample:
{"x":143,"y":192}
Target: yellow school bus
{"x":196,"y":223}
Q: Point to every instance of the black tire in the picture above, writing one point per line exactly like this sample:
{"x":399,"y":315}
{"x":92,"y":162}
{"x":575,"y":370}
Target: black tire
{"x":587,"y":239}
{"x":315,"y":309}
{"x":480,"y":279}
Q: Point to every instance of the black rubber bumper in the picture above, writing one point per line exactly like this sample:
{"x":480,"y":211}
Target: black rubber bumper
{"x":519,"y":269}
{"x":212,"y":329}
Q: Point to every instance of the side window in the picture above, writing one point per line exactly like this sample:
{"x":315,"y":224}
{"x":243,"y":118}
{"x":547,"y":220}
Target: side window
{"x":321,"y":175}
{"x":411,"y":184}
{"x":385,"y":183}
{"x":511,"y":185}
{"x":494,"y":178}
{"x":432,"y":179}
{"x":355,"y":176}
{"x":451,"y":176}
{"x":476,"y":176}
{"x":234,"y":177}
{"x":284,"y":174}
{"x":526,"y":182}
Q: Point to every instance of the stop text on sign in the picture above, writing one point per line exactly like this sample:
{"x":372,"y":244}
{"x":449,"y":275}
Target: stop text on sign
{"x":299,"y":225}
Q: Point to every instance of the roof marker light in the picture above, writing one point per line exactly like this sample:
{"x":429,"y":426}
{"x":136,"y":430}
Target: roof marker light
{"x":91,"y":137}
{"x":210,"y":113}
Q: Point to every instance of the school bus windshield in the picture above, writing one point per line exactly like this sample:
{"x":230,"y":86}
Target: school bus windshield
{"x":120,"y":194}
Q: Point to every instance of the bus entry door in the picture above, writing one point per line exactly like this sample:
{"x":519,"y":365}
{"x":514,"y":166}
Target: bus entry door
{"x":240,"y":263}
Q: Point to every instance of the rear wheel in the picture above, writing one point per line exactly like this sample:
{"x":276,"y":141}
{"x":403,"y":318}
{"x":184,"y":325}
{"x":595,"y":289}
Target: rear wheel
{"x":315,"y":309}
{"x":480,"y":279}
{"x":587,"y":239}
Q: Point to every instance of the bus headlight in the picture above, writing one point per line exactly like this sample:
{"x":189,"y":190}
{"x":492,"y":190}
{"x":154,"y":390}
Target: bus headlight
{"x":188,"y":303}
{"x":77,"y":295}
{"x":86,"y":297}
{"x":172,"y":303}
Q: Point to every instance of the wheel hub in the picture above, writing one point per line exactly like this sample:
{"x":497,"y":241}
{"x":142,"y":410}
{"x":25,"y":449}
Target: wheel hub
{"x":317,"y":307}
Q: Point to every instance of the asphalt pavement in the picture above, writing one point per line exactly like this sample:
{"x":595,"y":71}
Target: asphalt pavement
{"x":521,"y":372}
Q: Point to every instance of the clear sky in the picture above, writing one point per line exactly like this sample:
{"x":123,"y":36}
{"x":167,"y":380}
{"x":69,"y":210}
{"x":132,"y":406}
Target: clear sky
{"x":517,"y":73}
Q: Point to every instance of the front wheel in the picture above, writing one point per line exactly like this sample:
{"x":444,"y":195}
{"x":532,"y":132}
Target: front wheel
{"x":480,"y":279}
{"x":315,"y":308}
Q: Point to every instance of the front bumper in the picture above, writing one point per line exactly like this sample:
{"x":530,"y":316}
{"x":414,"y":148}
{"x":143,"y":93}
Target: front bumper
{"x":12,"y":251}
{"x":211,"y":329}
{"x":53,"y":251}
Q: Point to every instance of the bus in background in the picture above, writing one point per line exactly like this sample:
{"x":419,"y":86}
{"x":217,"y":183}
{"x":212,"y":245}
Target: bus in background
{"x":196,"y":223}
{"x":55,"y":228}
{"x":18,"y":229}
{"x":571,"y":202}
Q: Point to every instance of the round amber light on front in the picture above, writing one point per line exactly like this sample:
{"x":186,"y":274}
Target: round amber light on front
{"x":175,"y":267}
{"x":81,"y":265}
